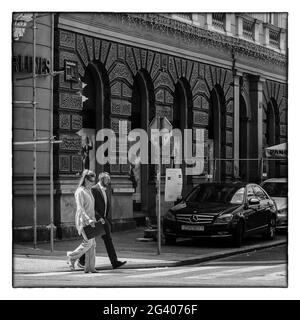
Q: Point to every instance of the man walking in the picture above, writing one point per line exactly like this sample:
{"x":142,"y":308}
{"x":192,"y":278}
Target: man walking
{"x":101,"y":195}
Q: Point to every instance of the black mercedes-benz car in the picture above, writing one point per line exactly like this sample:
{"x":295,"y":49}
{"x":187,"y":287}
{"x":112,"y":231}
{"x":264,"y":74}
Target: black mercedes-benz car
{"x":233,"y":210}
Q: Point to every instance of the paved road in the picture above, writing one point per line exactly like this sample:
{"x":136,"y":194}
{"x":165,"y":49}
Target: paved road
{"x":265,"y":268}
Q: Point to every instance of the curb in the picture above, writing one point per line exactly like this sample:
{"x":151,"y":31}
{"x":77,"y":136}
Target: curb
{"x":207,"y":257}
{"x":191,"y":261}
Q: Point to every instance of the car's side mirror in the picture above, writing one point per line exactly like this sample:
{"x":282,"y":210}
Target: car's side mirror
{"x":254,"y":201}
{"x":179,"y":199}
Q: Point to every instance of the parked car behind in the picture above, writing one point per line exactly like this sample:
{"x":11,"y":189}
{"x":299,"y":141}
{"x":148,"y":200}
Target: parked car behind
{"x":222,"y":210}
{"x":277,"y":189}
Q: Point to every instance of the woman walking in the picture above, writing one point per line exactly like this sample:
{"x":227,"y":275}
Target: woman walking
{"x":85,"y":215}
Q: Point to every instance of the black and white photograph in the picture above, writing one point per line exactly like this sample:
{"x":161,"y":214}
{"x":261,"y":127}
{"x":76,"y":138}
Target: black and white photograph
{"x":149,"y":149}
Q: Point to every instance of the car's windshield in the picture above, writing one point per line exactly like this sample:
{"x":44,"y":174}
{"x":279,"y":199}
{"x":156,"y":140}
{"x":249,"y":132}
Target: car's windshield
{"x":217,"y":193}
{"x":276,"y":189}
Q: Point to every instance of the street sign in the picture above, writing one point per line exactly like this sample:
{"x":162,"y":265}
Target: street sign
{"x":173,"y":186}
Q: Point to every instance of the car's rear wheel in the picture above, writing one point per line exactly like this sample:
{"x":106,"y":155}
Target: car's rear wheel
{"x":170,"y":240}
{"x":271,"y":231}
{"x":238,"y":234}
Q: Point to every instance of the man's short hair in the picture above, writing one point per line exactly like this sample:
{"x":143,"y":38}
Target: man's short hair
{"x":102,"y":175}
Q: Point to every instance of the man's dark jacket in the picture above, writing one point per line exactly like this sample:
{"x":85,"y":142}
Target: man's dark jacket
{"x":100,"y":203}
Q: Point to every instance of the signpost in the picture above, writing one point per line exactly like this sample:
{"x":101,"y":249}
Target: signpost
{"x":173,"y":186}
{"x":159,"y":123}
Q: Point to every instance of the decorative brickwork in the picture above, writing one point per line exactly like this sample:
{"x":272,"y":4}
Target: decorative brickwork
{"x":66,"y":39}
{"x":137,"y":55}
{"x":143,"y":58}
{"x":70,"y":101}
{"x":64,"y":121}
{"x":90,"y":47}
{"x":80,"y":46}
{"x":205,"y":104}
{"x":76,"y":122}
{"x":121,"y":52}
{"x":130,"y":60}
{"x":172,"y":69}
{"x":189,"y":69}
{"x":64,"y":163}
{"x":112,"y":56}
{"x":97,"y":44}
{"x":114,"y":124}
{"x":116,"y":89}
{"x":155,"y":66}
{"x":168,"y":97}
{"x":283,"y":130}
{"x":164,"y":79}
{"x":164,"y":111}
{"x":126,"y":91}
{"x":150,"y":58}
{"x":104,"y":50}
{"x":200,"y":118}
{"x":194,"y":76}
{"x":121,"y":71}
{"x":159,"y":95}
{"x":70,"y":142}
{"x":121,"y":107}
{"x":197,"y":102}
{"x":76,"y":164}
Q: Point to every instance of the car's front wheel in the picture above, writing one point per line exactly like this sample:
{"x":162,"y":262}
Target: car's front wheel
{"x":238,"y":234}
{"x":170,"y":240}
{"x":271,"y":231}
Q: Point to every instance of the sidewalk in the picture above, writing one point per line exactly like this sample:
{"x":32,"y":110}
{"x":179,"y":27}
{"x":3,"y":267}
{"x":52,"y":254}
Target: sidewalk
{"x":138,"y":254}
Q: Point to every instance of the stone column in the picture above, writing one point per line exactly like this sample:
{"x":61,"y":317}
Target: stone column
{"x":256,"y":127}
{"x":236,"y":122}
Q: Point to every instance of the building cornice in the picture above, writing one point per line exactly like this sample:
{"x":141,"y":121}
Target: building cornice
{"x":174,"y":27}
{"x":106,"y":24}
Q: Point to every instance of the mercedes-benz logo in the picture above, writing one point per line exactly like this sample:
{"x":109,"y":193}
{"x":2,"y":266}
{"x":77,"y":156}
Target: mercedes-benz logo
{"x":195,"y":218}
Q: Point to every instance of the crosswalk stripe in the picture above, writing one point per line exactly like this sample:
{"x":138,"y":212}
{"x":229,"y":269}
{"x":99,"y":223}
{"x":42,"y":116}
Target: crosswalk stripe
{"x":235,"y":270}
{"x":270,"y":277}
{"x":172,"y":272}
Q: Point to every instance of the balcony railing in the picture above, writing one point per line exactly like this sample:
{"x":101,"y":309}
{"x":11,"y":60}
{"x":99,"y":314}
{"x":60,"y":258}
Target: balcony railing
{"x":248,"y":29}
{"x":274,"y":37}
{"x":218,"y":20}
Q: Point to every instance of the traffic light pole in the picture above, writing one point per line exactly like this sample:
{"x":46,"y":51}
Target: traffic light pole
{"x":158,"y":177}
{"x":51,"y":144}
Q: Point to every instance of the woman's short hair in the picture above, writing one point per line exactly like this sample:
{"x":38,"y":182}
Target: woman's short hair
{"x":86,"y":174}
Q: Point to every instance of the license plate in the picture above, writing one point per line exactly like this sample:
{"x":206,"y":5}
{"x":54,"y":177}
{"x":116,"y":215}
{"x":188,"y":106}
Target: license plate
{"x":193,"y":228}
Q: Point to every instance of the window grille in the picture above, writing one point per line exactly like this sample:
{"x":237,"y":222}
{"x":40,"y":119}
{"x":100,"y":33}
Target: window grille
{"x":274,"y":36}
{"x":218,"y":20}
{"x":248,"y":29}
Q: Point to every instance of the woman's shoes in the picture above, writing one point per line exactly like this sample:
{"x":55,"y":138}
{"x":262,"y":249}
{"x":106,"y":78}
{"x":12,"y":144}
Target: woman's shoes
{"x":71,"y":263}
{"x":93,"y":271}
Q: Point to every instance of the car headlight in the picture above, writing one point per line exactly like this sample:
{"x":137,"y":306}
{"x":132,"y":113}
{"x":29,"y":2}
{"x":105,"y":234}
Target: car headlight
{"x":225,"y":218}
{"x":282,"y":212}
{"x":170,"y":216}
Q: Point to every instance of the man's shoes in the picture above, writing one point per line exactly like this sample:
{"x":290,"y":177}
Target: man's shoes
{"x":118,"y":264}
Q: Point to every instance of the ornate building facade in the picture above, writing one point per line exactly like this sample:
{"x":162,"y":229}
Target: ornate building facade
{"x":224,"y":73}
